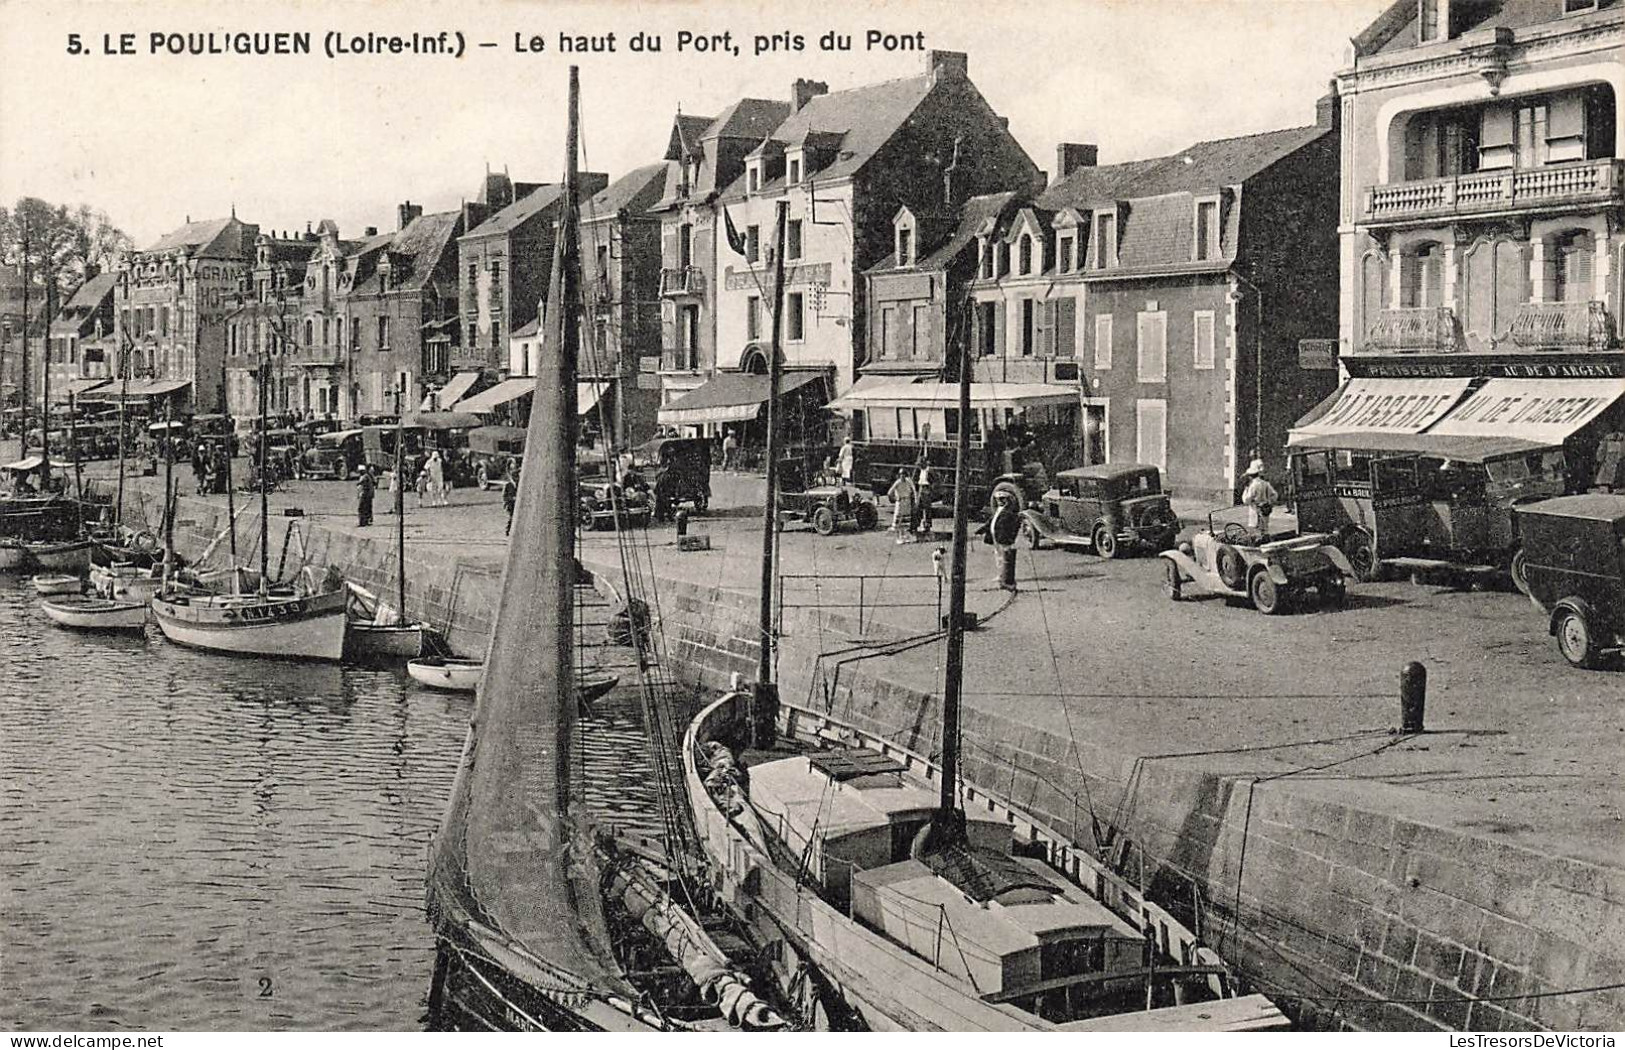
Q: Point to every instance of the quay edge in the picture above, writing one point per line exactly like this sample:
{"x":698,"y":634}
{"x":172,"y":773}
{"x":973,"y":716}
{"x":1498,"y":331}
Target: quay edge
{"x":1362,"y":905}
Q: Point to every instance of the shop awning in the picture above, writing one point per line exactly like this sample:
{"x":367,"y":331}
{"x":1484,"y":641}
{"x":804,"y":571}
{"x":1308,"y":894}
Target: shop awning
{"x":1544,"y":411}
{"x":451,"y":393}
{"x":1442,"y":446}
{"x":946,"y":395}
{"x":489,"y":400}
{"x":730,"y":397}
{"x":25,"y":465}
{"x":445,"y":420}
{"x":139,"y":390}
{"x":1366,"y":407}
{"x":75,"y":388}
{"x":587,"y":395}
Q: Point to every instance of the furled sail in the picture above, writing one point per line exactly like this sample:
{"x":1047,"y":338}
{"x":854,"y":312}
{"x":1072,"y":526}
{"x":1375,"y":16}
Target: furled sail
{"x":511,"y":859}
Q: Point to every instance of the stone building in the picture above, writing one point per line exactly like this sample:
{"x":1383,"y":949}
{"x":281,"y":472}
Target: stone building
{"x":82,"y":350}
{"x":264,"y":328}
{"x":172,"y":299}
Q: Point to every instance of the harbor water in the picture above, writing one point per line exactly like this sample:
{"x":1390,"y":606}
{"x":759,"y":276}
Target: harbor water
{"x":192,"y":841}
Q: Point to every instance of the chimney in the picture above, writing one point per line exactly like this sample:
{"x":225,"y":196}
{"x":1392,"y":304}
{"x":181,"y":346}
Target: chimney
{"x":371,"y":231}
{"x":405,"y":212}
{"x":498,"y":191}
{"x":1329,"y":109}
{"x":947,"y":65}
{"x":804,"y":91}
{"x":1070,"y":156}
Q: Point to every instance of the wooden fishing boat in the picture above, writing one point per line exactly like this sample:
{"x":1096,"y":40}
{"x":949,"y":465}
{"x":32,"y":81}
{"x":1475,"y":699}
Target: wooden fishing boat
{"x":298,"y":626}
{"x":96,"y":614}
{"x":59,"y":555}
{"x":374,"y":632}
{"x":55,"y":583}
{"x":450,"y":673}
{"x":125,"y":581}
{"x":13,"y":555}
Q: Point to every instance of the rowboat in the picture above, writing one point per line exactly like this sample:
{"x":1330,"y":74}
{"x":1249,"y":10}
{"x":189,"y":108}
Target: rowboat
{"x":63,"y":556}
{"x":375,"y":632}
{"x":95,"y":614}
{"x":450,"y":673}
{"x":296,"y":626}
{"x":52,"y":583}
{"x":125,"y":581}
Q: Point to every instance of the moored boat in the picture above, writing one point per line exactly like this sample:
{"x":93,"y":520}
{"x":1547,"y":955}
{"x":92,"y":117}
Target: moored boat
{"x":124,"y":581}
{"x":309,"y":626}
{"x":374,"y":631}
{"x":95,"y":614}
{"x":54,"y":583}
{"x":13,"y":555}
{"x":450,"y":673}
{"x":59,"y":555}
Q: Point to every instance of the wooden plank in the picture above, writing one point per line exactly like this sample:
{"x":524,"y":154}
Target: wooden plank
{"x":1079,"y":980}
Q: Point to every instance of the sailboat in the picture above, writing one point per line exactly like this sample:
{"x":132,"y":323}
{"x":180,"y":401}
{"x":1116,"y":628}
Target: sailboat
{"x":373,"y":630}
{"x":514,"y":892}
{"x":304,"y":620}
{"x":905,"y":888}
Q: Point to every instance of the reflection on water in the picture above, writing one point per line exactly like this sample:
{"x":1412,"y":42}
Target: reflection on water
{"x":190,"y":841}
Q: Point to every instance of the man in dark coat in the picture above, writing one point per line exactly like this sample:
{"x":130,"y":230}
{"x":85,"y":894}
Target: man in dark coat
{"x":1002,"y":531}
{"x":510,"y":495}
{"x":365,"y":486}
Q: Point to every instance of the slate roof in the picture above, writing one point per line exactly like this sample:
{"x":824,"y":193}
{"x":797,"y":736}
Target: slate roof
{"x":749,"y":118}
{"x":516,"y":213}
{"x":414,"y":253}
{"x":1204,"y":167}
{"x":82,"y":306}
{"x":941,"y":249}
{"x":636,"y":192}
{"x":686,"y":130}
{"x":207,"y":236}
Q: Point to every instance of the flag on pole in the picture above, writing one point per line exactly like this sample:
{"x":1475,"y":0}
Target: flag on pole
{"x":736,"y":240}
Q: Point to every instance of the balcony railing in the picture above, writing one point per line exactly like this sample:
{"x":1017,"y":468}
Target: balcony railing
{"x":1488,"y":192}
{"x":1414,"y":330}
{"x":1562,"y":326}
{"x":315,"y":355}
{"x":682,"y":280}
{"x":677,"y":359}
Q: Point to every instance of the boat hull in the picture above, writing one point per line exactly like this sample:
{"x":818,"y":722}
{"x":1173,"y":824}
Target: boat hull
{"x":300,"y":628}
{"x":73,"y":556}
{"x":13,"y":556}
{"x":371,"y":641}
{"x":125,"y":583}
{"x":96,"y":614}
{"x":452,"y":676}
{"x":50,"y":584}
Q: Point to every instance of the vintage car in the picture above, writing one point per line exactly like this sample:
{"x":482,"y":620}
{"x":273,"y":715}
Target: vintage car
{"x":819,"y":498}
{"x":378,"y":448}
{"x":1227,"y":558}
{"x":678,"y":471}
{"x":492,"y":451}
{"x":1574,"y":563}
{"x":337,"y":454}
{"x":1108,"y":507}
{"x":599,"y":500}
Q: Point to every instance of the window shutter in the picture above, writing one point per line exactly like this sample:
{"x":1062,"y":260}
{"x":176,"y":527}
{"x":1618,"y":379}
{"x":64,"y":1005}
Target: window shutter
{"x":1495,"y":137}
{"x":1566,"y":128}
{"x":1066,"y":321}
{"x":998,"y":328}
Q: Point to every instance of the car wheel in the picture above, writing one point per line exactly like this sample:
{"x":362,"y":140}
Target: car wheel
{"x":823,"y":521}
{"x":1334,"y":593}
{"x":1267,"y":598}
{"x":482,"y":477}
{"x":1105,"y":541}
{"x":1362,"y":556}
{"x":1172,"y":581}
{"x":702,"y":503}
{"x":1575,"y":641}
{"x":585,"y":520}
{"x":1231,"y":567}
{"x":1519,"y":570}
{"x":868,"y":517}
{"x":1034,"y":540}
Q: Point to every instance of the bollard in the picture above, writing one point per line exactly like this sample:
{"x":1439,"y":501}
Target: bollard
{"x":682,"y":522}
{"x":1007,"y":568}
{"x":1413,"y":689}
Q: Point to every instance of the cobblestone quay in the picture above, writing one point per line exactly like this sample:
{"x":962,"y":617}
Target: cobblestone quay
{"x":1455,"y":879}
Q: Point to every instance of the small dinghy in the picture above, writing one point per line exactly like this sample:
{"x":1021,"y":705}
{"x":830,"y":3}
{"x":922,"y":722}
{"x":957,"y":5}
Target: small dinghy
{"x":96,"y":614}
{"x":66,"y":555}
{"x":450,"y":673}
{"x":52,"y":583}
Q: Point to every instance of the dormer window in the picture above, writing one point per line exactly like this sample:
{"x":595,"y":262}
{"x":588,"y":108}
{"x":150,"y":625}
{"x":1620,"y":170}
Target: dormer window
{"x":794,"y":169}
{"x":1063,"y":252}
{"x":1025,"y":253}
{"x":1205,"y":240}
{"x":1105,"y":254}
{"x":754,"y":178}
{"x":1578,"y":7}
{"x":905,"y":242}
{"x":988,"y":271}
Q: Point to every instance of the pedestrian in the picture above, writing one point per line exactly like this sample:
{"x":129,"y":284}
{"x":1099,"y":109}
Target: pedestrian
{"x":394,"y":491}
{"x":922,"y":482}
{"x":510,"y":496}
{"x":365,"y":486}
{"x":200,"y":466}
{"x":902,"y":495}
{"x":845,"y":461}
{"x":437,"y":479}
{"x":730,"y":451}
{"x":1002,"y":530}
{"x":1259,"y":497}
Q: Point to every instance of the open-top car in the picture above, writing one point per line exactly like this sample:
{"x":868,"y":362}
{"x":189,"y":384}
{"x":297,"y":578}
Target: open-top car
{"x":1108,"y":508}
{"x":678,"y":470}
{"x":600,"y":500}
{"x":1574,"y":561}
{"x":819,"y":498}
{"x":1229,"y":558}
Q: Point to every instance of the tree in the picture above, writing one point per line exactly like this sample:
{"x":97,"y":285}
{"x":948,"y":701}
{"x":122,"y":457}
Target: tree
{"x":58,"y":242}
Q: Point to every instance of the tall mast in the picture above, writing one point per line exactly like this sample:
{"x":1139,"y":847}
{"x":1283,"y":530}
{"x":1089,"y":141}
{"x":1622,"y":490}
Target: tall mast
{"x":169,"y":495}
{"x":765,"y":707}
{"x":400,"y":503}
{"x":45,"y":395}
{"x":265,"y":469}
{"x":123,"y":396}
{"x":231,"y":500}
{"x":73,"y":445}
{"x":27,"y":386}
{"x":949,"y":817}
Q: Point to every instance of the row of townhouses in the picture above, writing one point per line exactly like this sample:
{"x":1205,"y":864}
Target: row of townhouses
{"x":1454,"y":209}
